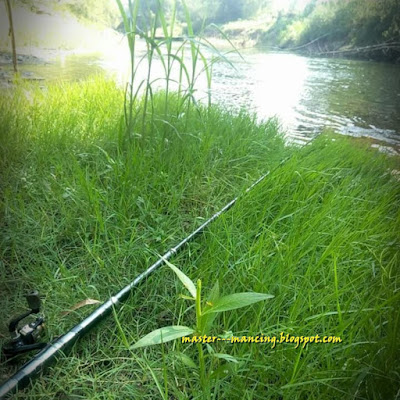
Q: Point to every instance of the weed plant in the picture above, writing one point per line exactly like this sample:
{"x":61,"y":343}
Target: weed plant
{"x":321,"y":234}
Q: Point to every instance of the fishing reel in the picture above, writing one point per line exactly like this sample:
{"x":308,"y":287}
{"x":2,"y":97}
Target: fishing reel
{"x":26,"y":338}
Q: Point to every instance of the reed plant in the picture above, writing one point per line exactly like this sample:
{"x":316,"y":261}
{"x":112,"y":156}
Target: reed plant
{"x":202,"y":55}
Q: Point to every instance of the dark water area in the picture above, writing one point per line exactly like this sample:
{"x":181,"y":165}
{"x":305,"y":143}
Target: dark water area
{"x":353,"y":97}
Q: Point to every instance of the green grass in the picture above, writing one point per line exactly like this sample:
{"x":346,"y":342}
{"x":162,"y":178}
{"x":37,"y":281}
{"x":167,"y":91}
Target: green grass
{"x":84,"y":209}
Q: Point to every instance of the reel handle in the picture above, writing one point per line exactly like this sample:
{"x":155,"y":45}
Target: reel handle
{"x":33,"y":300}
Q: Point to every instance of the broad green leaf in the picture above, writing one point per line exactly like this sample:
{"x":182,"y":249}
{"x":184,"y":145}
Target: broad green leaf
{"x":185,"y":359}
{"x":163,"y":335}
{"x":214,"y":293}
{"x":189,"y":285}
{"x":237,"y":300}
{"x":208,"y":319}
{"x":209,"y":349}
{"x":226,"y":357}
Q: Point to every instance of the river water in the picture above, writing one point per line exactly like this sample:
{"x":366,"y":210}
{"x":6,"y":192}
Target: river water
{"x":358,"y":98}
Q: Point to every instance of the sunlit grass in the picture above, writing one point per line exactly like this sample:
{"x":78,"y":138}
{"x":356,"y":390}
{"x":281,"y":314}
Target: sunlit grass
{"x":82,"y":214}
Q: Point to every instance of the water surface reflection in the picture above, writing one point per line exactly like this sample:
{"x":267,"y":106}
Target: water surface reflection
{"x":357,"y":98}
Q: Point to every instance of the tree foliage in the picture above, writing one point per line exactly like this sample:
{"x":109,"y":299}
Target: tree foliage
{"x":335,"y":24}
{"x":358,"y":22}
{"x":222,"y":11}
{"x":100,"y":11}
{"x":103,"y":12}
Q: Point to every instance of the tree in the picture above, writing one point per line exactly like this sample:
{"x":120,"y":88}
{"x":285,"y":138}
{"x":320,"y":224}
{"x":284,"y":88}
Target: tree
{"x":104,"y":12}
{"x":222,"y":11}
{"x":11,"y":34}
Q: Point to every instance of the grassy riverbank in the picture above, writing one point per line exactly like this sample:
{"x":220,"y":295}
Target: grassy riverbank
{"x":363,"y":29}
{"x":84,"y":209}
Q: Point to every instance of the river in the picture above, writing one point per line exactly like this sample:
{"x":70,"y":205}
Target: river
{"x":357,"y":98}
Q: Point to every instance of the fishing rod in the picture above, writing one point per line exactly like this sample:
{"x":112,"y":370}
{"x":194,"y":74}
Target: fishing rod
{"x":20,"y":341}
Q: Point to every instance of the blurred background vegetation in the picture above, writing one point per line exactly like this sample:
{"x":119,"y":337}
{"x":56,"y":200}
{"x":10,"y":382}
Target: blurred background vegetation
{"x":317,"y":26}
{"x":101,"y":12}
{"x":333,"y":25}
